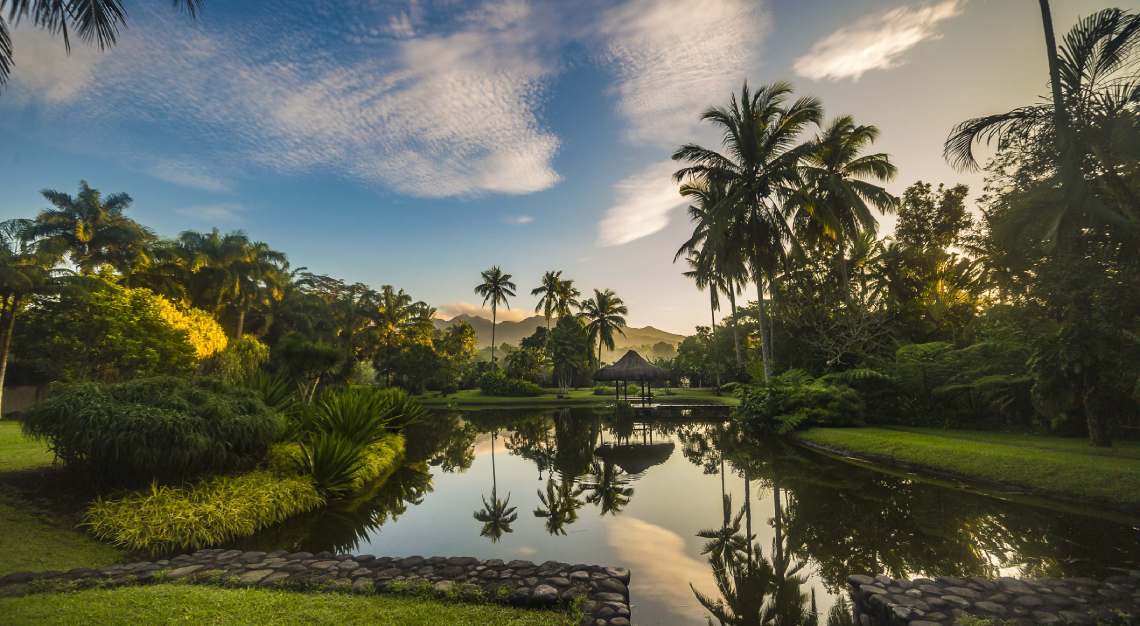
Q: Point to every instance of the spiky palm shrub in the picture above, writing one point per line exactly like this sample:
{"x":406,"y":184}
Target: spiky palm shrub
{"x":332,"y":462}
{"x":364,"y":415}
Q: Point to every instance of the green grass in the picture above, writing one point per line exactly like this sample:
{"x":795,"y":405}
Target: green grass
{"x":1053,"y":466}
{"x":576,"y":397}
{"x":186,"y":604}
{"x":36,"y":536}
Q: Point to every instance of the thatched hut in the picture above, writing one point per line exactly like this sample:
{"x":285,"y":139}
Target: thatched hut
{"x":631,"y":368}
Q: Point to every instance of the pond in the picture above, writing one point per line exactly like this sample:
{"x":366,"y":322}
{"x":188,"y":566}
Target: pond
{"x":649,"y":491}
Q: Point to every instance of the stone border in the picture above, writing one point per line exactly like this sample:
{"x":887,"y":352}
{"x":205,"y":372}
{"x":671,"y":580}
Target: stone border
{"x":884,"y":601}
{"x":602,"y":591}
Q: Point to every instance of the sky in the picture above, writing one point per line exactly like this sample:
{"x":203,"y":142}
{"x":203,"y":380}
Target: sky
{"x":418,"y":143}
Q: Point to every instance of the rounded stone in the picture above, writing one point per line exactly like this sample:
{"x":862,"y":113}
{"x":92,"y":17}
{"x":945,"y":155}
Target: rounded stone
{"x":990,"y":607}
{"x":545,"y":594}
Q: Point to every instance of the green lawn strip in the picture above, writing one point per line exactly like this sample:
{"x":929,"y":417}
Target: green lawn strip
{"x":35,"y":539}
{"x":189,"y":604}
{"x":1077,"y":445}
{"x":18,"y":452}
{"x":1055,"y":468}
{"x":576,"y":397}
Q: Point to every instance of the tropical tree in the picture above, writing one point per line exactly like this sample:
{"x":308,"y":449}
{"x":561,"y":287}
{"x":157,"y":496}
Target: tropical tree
{"x":91,"y":230}
{"x":496,"y":515}
{"x":495,"y":288}
{"x":759,"y":167}
{"x":604,"y":315}
{"x":607,"y":486}
{"x":567,"y":299}
{"x":559,"y":505}
{"x":549,"y":291}
{"x":260,"y":276}
{"x":97,"y":22}
{"x":24,"y":271}
{"x":833,"y":203}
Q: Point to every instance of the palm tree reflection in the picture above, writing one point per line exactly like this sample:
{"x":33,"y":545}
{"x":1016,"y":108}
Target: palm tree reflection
{"x":560,"y":504}
{"x":496,"y":515}
{"x":606,"y":484}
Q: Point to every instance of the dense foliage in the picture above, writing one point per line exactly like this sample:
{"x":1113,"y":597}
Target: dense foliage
{"x":164,"y":428}
{"x":795,"y":400}
{"x":497,"y":383}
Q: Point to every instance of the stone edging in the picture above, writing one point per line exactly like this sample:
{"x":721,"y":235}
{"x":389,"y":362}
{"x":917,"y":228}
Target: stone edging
{"x":884,"y":601}
{"x":602,"y":591}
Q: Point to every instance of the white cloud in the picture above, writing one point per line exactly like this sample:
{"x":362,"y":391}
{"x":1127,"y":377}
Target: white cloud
{"x":519,"y":220}
{"x":187,"y":175}
{"x":675,"y":58}
{"x":226,"y":213}
{"x":875,"y":42}
{"x":452,"y":309}
{"x":43,"y":69}
{"x":453,"y":114}
{"x":644,"y":201}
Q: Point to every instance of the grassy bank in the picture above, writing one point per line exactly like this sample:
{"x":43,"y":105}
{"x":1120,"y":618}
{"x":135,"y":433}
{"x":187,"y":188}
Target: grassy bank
{"x":39,"y":533}
{"x":186,"y":604}
{"x":1052,"y":466}
{"x":473,"y":398}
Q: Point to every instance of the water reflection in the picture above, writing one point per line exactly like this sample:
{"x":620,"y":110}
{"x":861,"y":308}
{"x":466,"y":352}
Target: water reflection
{"x":589,"y":486}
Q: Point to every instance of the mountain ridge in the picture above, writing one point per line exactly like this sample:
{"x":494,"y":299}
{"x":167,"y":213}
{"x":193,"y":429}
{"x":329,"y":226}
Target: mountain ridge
{"x":512,"y":332}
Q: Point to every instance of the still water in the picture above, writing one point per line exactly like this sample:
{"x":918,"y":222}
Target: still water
{"x":639,"y":489}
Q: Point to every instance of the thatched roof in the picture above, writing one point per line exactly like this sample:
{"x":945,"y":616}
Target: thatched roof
{"x":636,"y":458}
{"x":630,"y":367}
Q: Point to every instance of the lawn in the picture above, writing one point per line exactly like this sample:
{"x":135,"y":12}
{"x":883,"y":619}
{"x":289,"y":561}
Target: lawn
{"x":187,"y":604}
{"x":576,"y":397}
{"x":1054,"y":466}
{"x":37,"y":535}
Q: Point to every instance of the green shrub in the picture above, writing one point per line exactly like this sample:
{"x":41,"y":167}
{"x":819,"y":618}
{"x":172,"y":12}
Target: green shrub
{"x":602,"y":390}
{"x":496,"y":383}
{"x":795,"y":400}
{"x":216,"y":510}
{"x":376,"y":461}
{"x":379,"y":461}
{"x":162,"y":428}
{"x":332,"y":462}
{"x":240,"y":360}
{"x":364,"y":415}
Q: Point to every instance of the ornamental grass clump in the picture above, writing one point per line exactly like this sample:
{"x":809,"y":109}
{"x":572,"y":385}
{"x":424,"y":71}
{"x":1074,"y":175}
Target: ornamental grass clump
{"x":162,"y":428}
{"x":165,"y":519}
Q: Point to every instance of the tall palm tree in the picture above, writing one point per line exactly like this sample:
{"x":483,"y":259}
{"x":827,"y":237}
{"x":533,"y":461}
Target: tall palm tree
{"x":496,"y":515}
{"x":567,"y":298}
{"x":762,"y":149}
{"x":496,"y":288}
{"x":97,"y":22}
{"x":560,"y":504}
{"x":548,"y":290}
{"x":24,"y":270}
{"x":91,"y":230}
{"x":608,"y":487}
{"x":835,"y":199}
{"x":260,"y":275}
{"x":207,"y":261}
{"x":603,"y":315}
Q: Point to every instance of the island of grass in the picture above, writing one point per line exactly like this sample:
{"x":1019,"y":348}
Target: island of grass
{"x":41,"y":533}
{"x":1064,"y":468}
{"x":474,"y":398}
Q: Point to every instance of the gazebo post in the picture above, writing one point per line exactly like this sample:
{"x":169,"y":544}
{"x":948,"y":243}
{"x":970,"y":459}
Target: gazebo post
{"x":617,"y":396}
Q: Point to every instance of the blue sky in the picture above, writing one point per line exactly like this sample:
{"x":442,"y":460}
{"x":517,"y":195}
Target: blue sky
{"x":416,"y":143}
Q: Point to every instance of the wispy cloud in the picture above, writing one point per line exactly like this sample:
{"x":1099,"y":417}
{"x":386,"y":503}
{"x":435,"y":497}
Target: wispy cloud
{"x":45,"y":72}
{"x":187,"y":175}
{"x":519,"y":220}
{"x":675,"y":58}
{"x":431,"y":115}
{"x":451,"y":309}
{"x":642,"y":205}
{"x":875,"y":42}
{"x":226,"y":213}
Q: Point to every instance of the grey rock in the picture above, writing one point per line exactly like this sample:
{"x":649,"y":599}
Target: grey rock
{"x":619,"y":573}
{"x":1028,"y":601}
{"x":363,"y":585}
{"x":965,"y":592}
{"x":990,"y":607}
{"x":183,"y":572}
{"x":253,"y":577}
{"x":855,"y":580}
{"x":545,"y":594}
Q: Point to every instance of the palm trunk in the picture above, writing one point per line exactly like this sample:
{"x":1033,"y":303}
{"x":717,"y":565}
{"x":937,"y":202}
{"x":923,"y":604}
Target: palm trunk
{"x":494,"y":316}
{"x":1060,"y":114}
{"x":712,"y":329}
{"x":240,"y":323}
{"x":735,"y":334}
{"x":9,"y":319}
{"x":765,"y":331}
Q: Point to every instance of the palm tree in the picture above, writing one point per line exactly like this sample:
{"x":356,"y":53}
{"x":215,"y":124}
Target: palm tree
{"x":835,"y":199}
{"x":24,"y":270}
{"x":260,"y":275}
{"x":91,"y":230}
{"x":496,"y":288}
{"x":560,"y":504}
{"x":603,"y":314}
{"x":496,"y":515}
{"x":762,"y":150}
{"x":567,"y":298}
{"x":207,"y":261}
{"x":608,"y":487}
{"x":548,"y":292}
{"x":92,"y":21}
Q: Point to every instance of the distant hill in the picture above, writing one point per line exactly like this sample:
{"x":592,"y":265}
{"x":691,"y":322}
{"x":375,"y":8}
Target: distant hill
{"x":640,"y":339}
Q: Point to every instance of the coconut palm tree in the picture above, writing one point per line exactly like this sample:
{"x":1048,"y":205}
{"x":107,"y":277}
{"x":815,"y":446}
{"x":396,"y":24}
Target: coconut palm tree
{"x":835,"y":198}
{"x":496,"y":515}
{"x":24,"y":270}
{"x":604,"y":315}
{"x":260,"y":276}
{"x":496,"y":288}
{"x":567,"y":298}
{"x":91,"y":230}
{"x":608,"y":488}
{"x":207,"y":262}
{"x":559,"y":505}
{"x":97,"y":22}
{"x":761,"y":151}
{"x":548,"y":292}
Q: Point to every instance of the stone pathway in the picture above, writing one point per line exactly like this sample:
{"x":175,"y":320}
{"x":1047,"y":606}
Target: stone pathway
{"x":604,"y":590}
{"x":883,"y":601}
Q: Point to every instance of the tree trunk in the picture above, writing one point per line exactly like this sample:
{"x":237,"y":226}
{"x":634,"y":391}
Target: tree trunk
{"x":1098,"y":427}
{"x":240,"y":323}
{"x":712,"y":329}
{"x":765,"y":334}
{"x":494,"y":316}
{"x":735,"y":334}
{"x":1060,"y":114}
{"x":9,"y":321}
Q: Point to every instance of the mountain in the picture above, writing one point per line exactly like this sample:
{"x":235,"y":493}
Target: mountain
{"x":640,"y":339}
